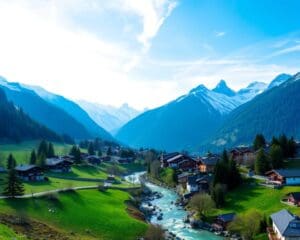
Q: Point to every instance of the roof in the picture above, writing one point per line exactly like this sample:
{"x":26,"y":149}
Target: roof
{"x":287,"y":172}
{"x":192,"y":180}
{"x":210,"y":160}
{"x":295,"y":195}
{"x":228,"y":217}
{"x":167,"y":156}
{"x":25,"y":168}
{"x":287,"y":224}
{"x":182,"y":175}
{"x":55,"y":161}
{"x":176,"y":157}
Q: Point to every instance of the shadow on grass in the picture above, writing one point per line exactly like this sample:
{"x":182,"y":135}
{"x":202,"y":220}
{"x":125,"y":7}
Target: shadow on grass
{"x":75,"y":196}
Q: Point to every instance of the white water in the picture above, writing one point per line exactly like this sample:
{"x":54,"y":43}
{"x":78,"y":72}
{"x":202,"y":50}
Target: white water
{"x":172,"y":215}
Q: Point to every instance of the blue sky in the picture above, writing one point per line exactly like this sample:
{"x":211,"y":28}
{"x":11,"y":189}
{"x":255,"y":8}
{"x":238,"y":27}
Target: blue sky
{"x":146,"y":52}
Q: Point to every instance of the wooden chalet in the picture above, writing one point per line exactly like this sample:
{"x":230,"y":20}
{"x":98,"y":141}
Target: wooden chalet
{"x":284,"y":176}
{"x":222,"y":221}
{"x":207,"y":164}
{"x":294,"y":198}
{"x":30,"y":172}
{"x":58,"y":164}
{"x":179,"y":161}
{"x":93,"y":159}
{"x":125,"y":160}
{"x":243,"y":155}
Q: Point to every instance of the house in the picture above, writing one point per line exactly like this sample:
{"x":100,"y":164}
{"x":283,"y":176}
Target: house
{"x":105,"y":159}
{"x":284,"y":176}
{"x":221,"y":222}
{"x":207,"y":164}
{"x":125,"y":160}
{"x":192,"y":185}
{"x":180,"y":161}
{"x":183,"y":177}
{"x":294,"y":198}
{"x":58,"y":164}
{"x":93,"y":159}
{"x":30,"y":172}
{"x":198,"y":183}
{"x":165,"y":157}
{"x":243,"y":155}
{"x":285,"y":225}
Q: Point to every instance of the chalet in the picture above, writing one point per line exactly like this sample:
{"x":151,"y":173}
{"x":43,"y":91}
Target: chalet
{"x":284,"y":176}
{"x":180,"y":161}
{"x":222,"y":221}
{"x":105,"y":159}
{"x":243,"y":155}
{"x":207,"y":164}
{"x":68,"y":157}
{"x":125,"y":160}
{"x":192,"y":184}
{"x":165,"y":157}
{"x":30,"y":172}
{"x":183,"y":177}
{"x":58,"y":165}
{"x":294,"y":198}
{"x":285,"y":225}
{"x":93,"y":159}
{"x":198,"y":183}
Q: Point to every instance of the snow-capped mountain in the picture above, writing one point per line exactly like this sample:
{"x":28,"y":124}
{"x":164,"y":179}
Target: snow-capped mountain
{"x":251,"y":91}
{"x":224,"y":89}
{"x":109,"y":117}
{"x":279,"y":80}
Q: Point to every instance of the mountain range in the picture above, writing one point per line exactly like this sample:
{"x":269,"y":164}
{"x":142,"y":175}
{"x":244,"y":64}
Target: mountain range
{"x":197,"y":117}
{"x":109,"y":117}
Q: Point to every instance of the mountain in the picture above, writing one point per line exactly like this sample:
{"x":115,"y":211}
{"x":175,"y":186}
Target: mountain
{"x":109,"y":117}
{"x":273,"y":112}
{"x":16,"y":126}
{"x":279,"y":80}
{"x":224,"y":89}
{"x":180,"y":124}
{"x":72,"y":109}
{"x":43,"y":112}
{"x":252,"y":90}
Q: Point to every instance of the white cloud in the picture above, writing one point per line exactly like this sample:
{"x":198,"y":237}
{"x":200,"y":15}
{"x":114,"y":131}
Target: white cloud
{"x":220,"y":34}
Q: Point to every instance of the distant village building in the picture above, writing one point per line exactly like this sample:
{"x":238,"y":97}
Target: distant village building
{"x":294,"y":198}
{"x":243,"y":155}
{"x":207,"y":164}
{"x":198,"y":183}
{"x":284,"y":176}
{"x":222,"y":221}
{"x":285,"y":225}
{"x":58,"y":165}
{"x":93,"y":159}
{"x":30,"y":173}
{"x":178,"y":161}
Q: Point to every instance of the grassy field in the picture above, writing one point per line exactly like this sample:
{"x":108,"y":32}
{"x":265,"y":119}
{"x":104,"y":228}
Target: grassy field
{"x":22,"y":151}
{"x":265,"y":200}
{"x":8,"y":234}
{"x":89,"y":214}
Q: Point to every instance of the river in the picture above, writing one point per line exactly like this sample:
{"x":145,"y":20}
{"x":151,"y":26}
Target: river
{"x":172,"y":215}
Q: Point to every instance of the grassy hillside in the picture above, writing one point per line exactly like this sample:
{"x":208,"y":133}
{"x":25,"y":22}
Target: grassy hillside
{"x":8,"y":234}
{"x":88,"y":214}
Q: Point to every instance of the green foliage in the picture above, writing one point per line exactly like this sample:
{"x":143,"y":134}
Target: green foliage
{"x":168,"y":176}
{"x":248,"y":225}
{"x":261,"y":163}
{"x":14,"y":186}
{"x":76,"y":153}
{"x":33,"y":158}
{"x":11,"y":162}
{"x":91,"y":150}
{"x":276,"y":156}
{"x":50,"y":152}
{"x":155,"y":169}
{"x":218,"y":193}
{"x":202,"y":203}
{"x":259,"y":142}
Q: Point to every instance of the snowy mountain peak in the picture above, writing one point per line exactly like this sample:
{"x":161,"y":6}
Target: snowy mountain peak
{"x":224,"y":89}
{"x":200,"y":88}
{"x":281,"y":78}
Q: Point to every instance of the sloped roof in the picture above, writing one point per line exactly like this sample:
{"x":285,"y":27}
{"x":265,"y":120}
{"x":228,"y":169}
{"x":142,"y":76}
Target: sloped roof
{"x":25,"y":167}
{"x":227,"y":217}
{"x":295,"y":195}
{"x":288,"y":172}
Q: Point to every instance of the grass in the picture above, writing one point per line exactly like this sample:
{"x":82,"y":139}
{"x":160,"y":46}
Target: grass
{"x":252,"y":196}
{"x":8,"y":234}
{"x":90,"y":214}
{"x":167,"y":176}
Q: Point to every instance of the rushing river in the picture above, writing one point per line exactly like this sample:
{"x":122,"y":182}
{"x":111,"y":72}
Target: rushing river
{"x":172,"y":215}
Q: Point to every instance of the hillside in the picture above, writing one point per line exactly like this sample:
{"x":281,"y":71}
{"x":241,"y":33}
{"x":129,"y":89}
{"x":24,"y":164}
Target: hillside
{"x":273,"y":112}
{"x":16,"y":126}
{"x":43,"y":112}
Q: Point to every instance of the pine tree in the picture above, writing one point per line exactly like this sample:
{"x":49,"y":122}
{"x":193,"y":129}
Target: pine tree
{"x":283,"y":141}
{"x":50,"y":152}
{"x":41,"y":160}
{"x":225,"y":158}
{"x":218,"y":193}
{"x":42,"y":149}
{"x":33,"y":158}
{"x":109,"y":152}
{"x":11,"y":162}
{"x":76,"y":153}
{"x":276,"y":156}
{"x":234,"y":176}
{"x":292,"y":148}
{"x":14,"y":187}
{"x":261,"y":162}
{"x":91,"y":149}
{"x":259,"y":142}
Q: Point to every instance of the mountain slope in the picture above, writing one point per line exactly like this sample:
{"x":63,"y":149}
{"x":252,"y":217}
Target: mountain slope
{"x":224,"y":89}
{"x":72,"y":109}
{"x":109,"y":117}
{"x":180,"y":124}
{"x":43,"y":112}
{"x":273,"y":112}
{"x":279,"y":80}
{"x":16,"y":126}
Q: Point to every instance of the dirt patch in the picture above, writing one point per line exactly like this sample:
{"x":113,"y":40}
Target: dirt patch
{"x":134,"y":212}
{"x":33,"y":229}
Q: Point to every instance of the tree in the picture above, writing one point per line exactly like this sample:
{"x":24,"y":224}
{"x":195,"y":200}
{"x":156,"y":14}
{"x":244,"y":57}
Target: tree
{"x":99,"y":153}
{"x":155,"y":168}
{"x":202,"y":203}
{"x":11,"y":162}
{"x":76,"y":153}
{"x":283,"y":142}
{"x":247,"y":225}
{"x":41,"y":160}
{"x":259,"y":142}
{"x":14,"y":186}
{"x":220,"y":173}
{"x":225,"y":158}
{"x":234,"y":176}
{"x":50,"y":152}
{"x":218,"y":193}
{"x":276,"y":156}
{"x":155,"y":232}
{"x":292,"y":148}
{"x":91,"y":149}
{"x":109,"y":151}
{"x":261,"y":162}
{"x":33,"y":158}
{"x":42,"y":149}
